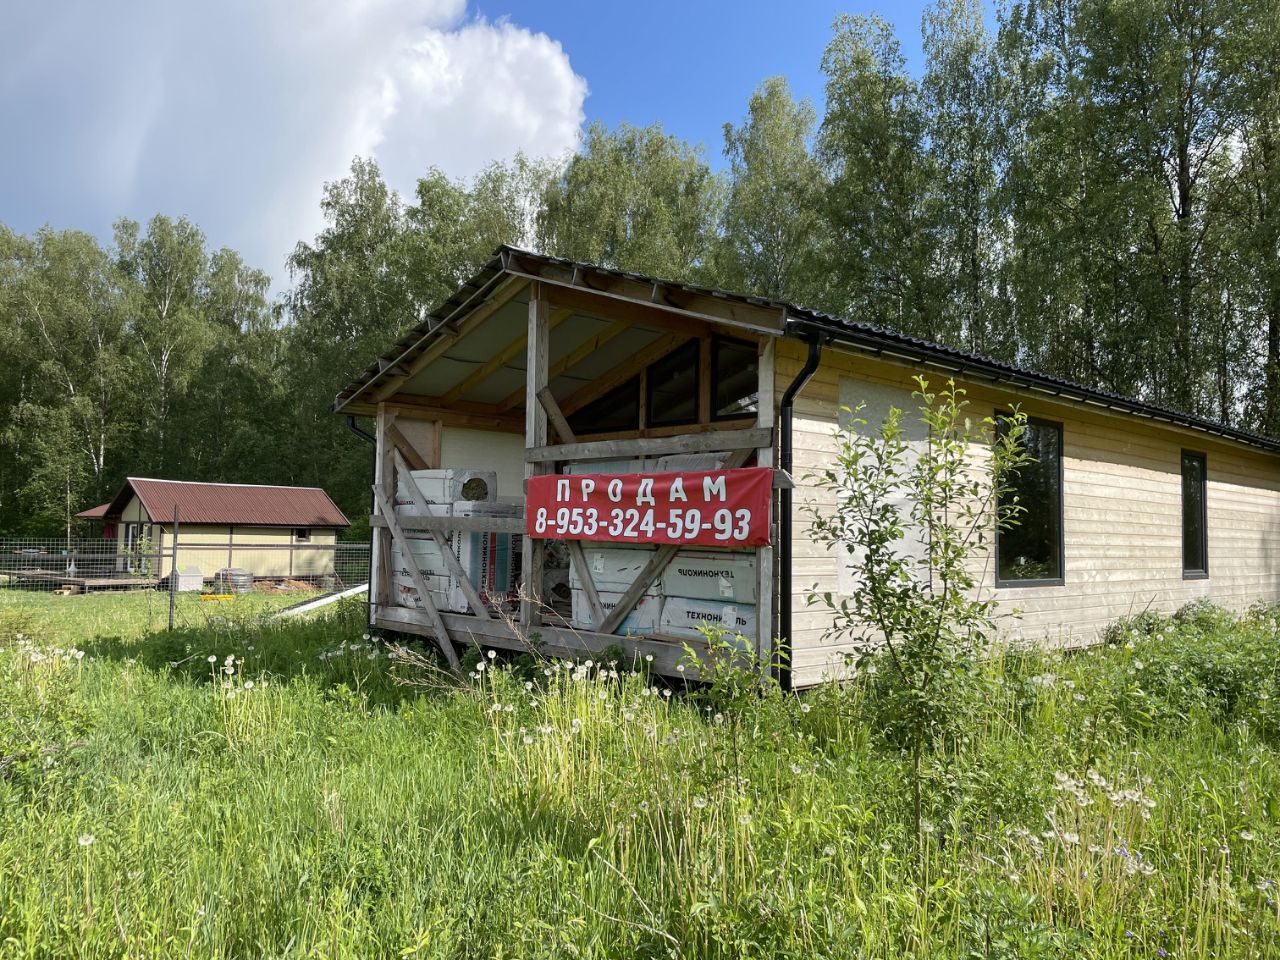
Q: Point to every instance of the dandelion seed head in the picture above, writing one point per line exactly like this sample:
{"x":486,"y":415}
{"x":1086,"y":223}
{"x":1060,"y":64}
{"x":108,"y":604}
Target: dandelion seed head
{"x":85,"y":839}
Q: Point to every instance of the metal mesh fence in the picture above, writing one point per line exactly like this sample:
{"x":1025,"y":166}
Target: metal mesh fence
{"x":89,"y":565}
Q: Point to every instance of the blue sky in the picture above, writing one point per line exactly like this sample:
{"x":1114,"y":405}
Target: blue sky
{"x":692,"y":65}
{"x":236,"y":113}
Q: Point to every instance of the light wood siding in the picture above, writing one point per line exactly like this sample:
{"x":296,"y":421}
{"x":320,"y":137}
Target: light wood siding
{"x":1122,"y":493}
{"x":271,"y":552}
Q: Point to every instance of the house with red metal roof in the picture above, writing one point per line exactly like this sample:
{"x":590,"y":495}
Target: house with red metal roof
{"x":270,"y":531}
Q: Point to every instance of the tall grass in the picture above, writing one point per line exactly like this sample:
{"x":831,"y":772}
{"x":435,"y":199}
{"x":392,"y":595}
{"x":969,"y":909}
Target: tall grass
{"x":290,"y":797}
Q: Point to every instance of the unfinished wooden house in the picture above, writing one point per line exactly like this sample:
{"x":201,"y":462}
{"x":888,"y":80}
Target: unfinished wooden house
{"x":628,"y":457}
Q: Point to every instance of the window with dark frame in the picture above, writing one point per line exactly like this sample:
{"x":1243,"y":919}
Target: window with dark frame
{"x":301,"y":535}
{"x":671,"y":396}
{"x":616,"y":412}
{"x":735,"y":385}
{"x":1030,"y":551}
{"x":1195,"y":525}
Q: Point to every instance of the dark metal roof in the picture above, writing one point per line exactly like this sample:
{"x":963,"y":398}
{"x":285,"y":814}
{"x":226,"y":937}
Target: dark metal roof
{"x":802,"y":323}
{"x":226,"y":503}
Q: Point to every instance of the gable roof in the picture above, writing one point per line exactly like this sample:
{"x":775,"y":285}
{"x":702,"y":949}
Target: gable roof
{"x":225,"y":503}
{"x":793,"y":321}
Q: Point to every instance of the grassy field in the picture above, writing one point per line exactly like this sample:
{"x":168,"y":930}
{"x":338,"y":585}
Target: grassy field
{"x":245,"y":789}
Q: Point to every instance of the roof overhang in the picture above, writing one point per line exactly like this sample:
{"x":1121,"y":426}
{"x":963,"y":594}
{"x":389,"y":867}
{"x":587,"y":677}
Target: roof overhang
{"x":465,"y":362}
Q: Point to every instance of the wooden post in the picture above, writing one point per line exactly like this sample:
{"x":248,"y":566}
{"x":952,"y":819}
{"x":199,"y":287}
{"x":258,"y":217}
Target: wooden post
{"x":535,"y":435}
{"x":380,"y":592}
{"x":765,"y":458}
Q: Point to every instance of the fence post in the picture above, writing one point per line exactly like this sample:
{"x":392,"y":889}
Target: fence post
{"x":173,"y":568}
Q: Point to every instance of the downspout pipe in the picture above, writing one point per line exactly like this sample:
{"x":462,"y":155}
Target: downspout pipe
{"x":364,"y":435}
{"x":786,"y":461}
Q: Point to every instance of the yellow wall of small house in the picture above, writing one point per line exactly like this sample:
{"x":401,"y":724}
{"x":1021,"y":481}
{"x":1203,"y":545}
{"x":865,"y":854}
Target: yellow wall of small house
{"x":271,"y":552}
{"x":1122,"y":501}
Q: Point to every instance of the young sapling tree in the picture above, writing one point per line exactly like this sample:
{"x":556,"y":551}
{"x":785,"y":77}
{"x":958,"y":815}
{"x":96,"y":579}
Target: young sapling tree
{"x":911,"y":517}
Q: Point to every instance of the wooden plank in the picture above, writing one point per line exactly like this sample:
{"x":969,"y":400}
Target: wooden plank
{"x":380,"y":553}
{"x":556,"y":641}
{"x":535,"y":435}
{"x":739,"y":423}
{"x":705,"y":399}
{"x":498,"y":361}
{"x":652,"y":570}
{"x":652,"y":446}
{"x":474,"y":415}
{"x":578,"y":557}
{"x":444,"y":340}
{"x":672,"y":306}
{"x":624,"y":371}
{"x":453,"y":524}
{"x":450,"y":560}
{"x":404,"y":449}
{"x":571,"y":359}
{"x":558,"y":421}
{"x":428,"y":605}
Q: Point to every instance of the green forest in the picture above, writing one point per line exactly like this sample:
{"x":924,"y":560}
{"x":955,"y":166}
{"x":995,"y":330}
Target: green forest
{"x":1090,"y":188}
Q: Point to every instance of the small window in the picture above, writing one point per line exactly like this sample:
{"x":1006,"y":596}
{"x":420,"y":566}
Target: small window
{"x":302,"y":535}
{"x":1195,"y":537}
{"x":615,"y":412}
{"x":735,"y":382}
{"x":673,"y":388}
{"x":1029,"y":552}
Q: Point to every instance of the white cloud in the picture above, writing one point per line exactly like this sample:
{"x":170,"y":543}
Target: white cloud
{"x":235,"y":113}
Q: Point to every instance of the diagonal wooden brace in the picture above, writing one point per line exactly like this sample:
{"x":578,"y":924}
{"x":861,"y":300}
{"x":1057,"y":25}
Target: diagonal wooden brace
{"x":442,"y":544}
{"x":433,"y":615}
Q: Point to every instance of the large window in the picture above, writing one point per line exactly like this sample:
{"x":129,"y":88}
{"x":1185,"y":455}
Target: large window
{"x":1195,"y":539}
{"x":615,"y":412}
{"x":673,"y":388}
{"x":1029,"y":552}
{"x":735,"y":383}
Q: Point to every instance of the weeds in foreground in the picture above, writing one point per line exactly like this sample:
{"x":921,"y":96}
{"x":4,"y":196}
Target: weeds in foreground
{"x":292,"y":797}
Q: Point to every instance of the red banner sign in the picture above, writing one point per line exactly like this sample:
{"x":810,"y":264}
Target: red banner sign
{"x":715,"y":508}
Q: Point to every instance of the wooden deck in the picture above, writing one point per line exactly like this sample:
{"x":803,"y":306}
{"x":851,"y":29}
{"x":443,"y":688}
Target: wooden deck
{"x":54,"y":578}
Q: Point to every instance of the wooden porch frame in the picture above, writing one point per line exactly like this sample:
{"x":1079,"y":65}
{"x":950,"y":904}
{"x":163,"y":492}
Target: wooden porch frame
{"x":542,"y":414}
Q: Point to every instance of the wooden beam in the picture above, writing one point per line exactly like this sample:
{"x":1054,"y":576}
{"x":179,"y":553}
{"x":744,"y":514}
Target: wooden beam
{"x":652,"y":570}
{"x":571,"y":359}
{"x":498,"y":361}
{"x":624,"y":371}
{"x":578,"y":558}
{"x":557,"y":641}
{"x":705,"y":399}
{"x":675,"y":430}
{"x":444,"y":340}
{"x":403,"y":448}
{"x":652,"y":446}
{"x":460,"y":415}
{"x":454,"y":524}
{"x":441,"y":541}
{"x":535,"y":435}
{"x":627,"y":293}
{"x":424,"y":594}
{"x":557,"y":419}
{"x":383,"y":469}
